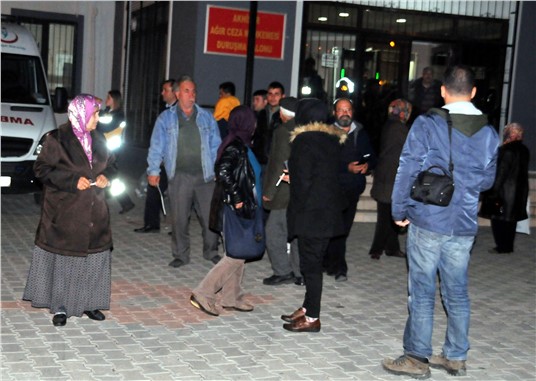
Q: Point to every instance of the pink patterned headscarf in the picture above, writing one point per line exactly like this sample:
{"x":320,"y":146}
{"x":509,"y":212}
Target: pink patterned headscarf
{"x":81,"y":109}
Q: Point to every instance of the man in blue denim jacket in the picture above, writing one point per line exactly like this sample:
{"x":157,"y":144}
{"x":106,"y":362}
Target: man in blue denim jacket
{"x":186,"y":138}
{"x":440,"y":239}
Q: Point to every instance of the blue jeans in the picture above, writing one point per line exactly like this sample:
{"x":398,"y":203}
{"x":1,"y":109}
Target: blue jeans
{"x":427,"y":253}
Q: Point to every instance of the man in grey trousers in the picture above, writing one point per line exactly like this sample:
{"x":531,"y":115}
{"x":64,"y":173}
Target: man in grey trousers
{"x":186,"y":138}
{"x":275,"y":198}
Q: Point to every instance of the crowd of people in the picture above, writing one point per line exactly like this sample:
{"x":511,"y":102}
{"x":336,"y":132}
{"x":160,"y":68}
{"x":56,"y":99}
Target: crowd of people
{"x":299,"y":168}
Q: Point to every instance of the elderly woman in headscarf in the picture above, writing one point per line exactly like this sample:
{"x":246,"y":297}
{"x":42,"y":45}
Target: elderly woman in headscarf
{"x":238,"y":183}
{"x":506,"y":201}
{"x":393,"y":136}
{"x":317,"y":202}
{"x":70,"y":273}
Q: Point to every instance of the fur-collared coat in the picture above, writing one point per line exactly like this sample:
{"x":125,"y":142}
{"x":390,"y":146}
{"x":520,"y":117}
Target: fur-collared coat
{"x":316,"y":199}
{"x":73,"y":222}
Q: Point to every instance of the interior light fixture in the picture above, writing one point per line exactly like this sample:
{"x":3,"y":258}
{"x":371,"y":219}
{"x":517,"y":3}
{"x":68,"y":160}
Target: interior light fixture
{"x":322,"y":18}
{"x":369,"y":49}
{"x":344,"y":14}
{"x":401,"y":21}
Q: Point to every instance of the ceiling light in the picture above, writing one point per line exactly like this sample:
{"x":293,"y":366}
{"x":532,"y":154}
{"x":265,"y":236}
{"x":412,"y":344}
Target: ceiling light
{"x":322,"y":18}
{"x":344,"y":14}
{"x":368,"y":49}
{"x":401,"y":21}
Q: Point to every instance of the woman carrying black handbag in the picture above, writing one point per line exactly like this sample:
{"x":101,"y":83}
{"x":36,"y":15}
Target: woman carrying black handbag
{"x":238,"y":187}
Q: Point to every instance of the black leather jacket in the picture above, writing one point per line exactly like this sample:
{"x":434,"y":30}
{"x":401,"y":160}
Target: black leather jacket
{"x":235,"y":180}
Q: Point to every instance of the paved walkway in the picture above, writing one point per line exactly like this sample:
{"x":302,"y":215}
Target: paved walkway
{"x":152,"y":332}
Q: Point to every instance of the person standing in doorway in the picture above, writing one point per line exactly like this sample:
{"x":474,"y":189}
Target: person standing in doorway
{"x":425,"y":93}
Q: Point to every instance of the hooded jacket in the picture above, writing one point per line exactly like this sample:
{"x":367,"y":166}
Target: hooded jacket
{"x":474,"y":155}
{"x":316,"y":198}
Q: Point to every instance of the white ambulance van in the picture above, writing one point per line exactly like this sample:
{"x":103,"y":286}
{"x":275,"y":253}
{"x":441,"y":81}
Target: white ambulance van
{"x":27,"y":111}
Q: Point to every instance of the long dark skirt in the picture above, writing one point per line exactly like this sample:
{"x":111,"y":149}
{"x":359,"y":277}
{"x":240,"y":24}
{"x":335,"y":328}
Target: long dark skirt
{"x":69,"y":284}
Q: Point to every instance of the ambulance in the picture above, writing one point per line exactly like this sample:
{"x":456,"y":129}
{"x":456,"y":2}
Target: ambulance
{"x":27,"y":110}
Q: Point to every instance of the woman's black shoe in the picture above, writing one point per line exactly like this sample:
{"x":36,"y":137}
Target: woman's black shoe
{"x":95,"y":315}
{"x":59,"y":320}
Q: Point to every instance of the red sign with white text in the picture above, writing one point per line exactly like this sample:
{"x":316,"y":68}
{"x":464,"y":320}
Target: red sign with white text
{"x":227,"y":32}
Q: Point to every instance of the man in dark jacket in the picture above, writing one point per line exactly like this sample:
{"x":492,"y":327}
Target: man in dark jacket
{"x":153,"y":202}
{"x":356,"y":160}
{"x":267,"y":121}
{"x":425,"y":93}
{"x":276,"y":193}
{"x":314,"y":212}
{"x":440,"y":238}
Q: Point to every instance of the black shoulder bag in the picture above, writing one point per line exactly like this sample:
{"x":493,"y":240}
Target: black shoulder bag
{"x":436,"y":188}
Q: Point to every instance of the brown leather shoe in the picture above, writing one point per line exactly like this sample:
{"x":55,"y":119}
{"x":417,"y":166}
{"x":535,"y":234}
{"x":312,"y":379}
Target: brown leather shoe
{"x":302,"y":325}
{"x":294,"y":316}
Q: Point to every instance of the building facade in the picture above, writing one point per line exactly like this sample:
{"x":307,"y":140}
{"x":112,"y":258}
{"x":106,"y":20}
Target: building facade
{"x":133,"y":46}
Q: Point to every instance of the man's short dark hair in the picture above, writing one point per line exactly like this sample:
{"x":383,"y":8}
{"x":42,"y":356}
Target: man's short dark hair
{"x":277,"y":85}
{"x":263,"y":93}
{"x":459,"y":79}
{"x":169,"y":81}
{"x":228,"y":88}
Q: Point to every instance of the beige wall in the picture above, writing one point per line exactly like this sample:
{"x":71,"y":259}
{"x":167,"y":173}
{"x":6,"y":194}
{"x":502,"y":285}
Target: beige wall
{"x":97,"y":36}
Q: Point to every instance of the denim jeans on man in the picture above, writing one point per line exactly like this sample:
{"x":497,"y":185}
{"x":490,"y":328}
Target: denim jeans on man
{"x":428,"y":253}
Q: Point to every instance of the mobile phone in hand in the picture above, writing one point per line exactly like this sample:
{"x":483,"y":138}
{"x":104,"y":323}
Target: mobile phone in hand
{"x":364,"y":159}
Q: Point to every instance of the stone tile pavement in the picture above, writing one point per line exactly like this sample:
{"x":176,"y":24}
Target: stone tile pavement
{"x":152,"y":333}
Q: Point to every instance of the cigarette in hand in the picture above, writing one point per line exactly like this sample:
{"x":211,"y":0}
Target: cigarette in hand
{"x":93,"y":183}
{"x":280,"y":179}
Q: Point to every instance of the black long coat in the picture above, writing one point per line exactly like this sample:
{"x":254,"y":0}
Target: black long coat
{"x":511,"y":184}
{"x":316,"y":201}
{"x":73,"y":222}
{"x":392,"y":141}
